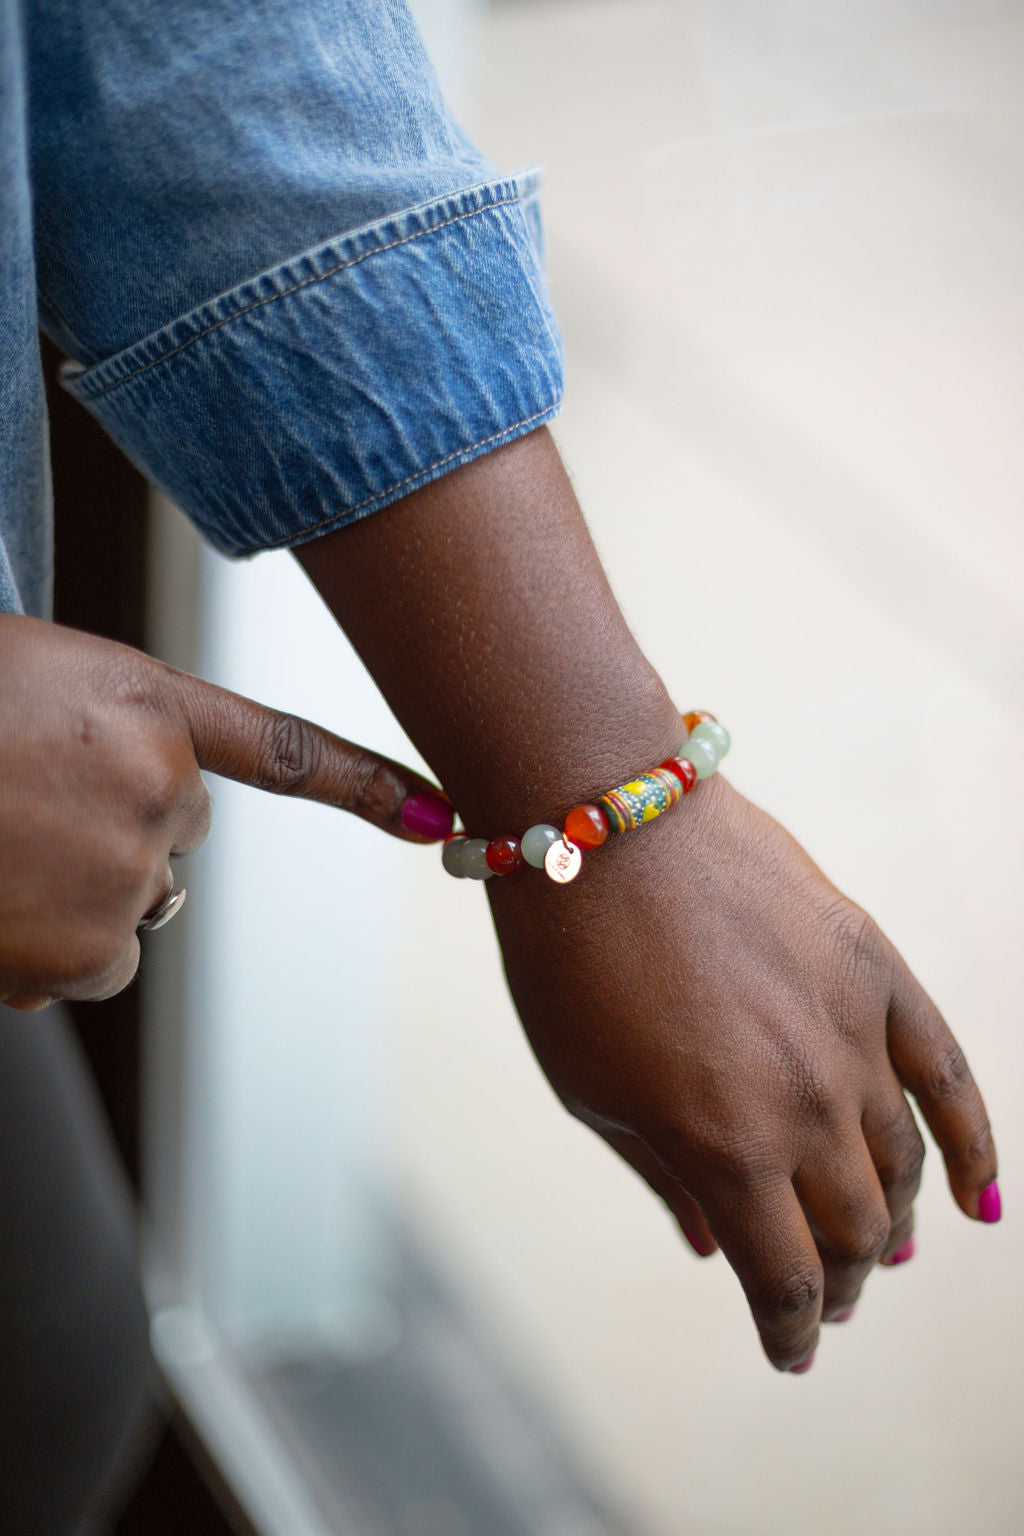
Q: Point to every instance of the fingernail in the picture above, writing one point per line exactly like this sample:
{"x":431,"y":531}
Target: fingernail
{"x":428,"y":816}
{"x":843,"y":1316}
{"x":990,"y":1206}
{"x":901,"y":1255}
{"x":805,"y":1365}
{"x":702,"y":1248}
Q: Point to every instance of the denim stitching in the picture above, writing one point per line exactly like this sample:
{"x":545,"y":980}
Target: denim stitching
{"x":397,"y":486}
{"x":318,"y":277}
{"x":547,"y":313}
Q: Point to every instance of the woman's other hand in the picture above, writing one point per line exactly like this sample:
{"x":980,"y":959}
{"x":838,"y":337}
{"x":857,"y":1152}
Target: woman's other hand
{"x":100,"y":755}
{"x":742,"y":1035}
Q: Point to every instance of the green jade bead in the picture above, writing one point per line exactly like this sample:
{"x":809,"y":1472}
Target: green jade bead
{"x":711,"y":730}
{"x":703,"y":752}
{"x":451,"y":856}
{"x":473,"y":862}
{"x":536,"y":843}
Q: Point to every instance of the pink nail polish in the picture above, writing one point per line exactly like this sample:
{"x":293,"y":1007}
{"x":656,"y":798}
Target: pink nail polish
{"x":990,"y":1206}
{"x":702,"y":1248}
{"x":427,"y":816}
{"x":901,"y":1255}
{"x":843,"y":1316}
{"x":804,"y":1366}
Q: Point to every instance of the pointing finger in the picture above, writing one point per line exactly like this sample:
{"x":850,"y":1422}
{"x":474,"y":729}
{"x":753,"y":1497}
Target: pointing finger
{"x":287,"y":755}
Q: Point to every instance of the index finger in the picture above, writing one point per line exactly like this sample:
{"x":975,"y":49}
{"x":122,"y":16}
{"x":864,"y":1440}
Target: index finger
{"x":931,"y":1066}
{"x":285,"y":754}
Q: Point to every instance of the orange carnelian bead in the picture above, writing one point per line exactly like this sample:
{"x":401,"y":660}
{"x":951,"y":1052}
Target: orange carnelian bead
{"x":505,"y":855}
{"x":586,"y":826}
{"x":697,"y":717}
{"x":683,"y":769}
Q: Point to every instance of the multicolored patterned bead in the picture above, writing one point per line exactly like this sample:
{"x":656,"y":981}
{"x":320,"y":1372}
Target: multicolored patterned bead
{"x":586,"y":826}
{"x":683,"y":770}
{"x":640,"y":800}
{"x":536,"y":843}
{"x":505,"y":856}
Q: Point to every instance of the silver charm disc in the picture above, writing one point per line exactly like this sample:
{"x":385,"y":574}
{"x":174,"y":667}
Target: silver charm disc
{"x":563,"y":861}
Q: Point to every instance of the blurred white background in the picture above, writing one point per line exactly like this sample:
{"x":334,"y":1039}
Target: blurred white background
{"x":786,"y":245}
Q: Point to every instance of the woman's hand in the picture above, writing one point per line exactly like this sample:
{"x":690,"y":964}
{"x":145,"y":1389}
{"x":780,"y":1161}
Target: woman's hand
{"x":743,"y":1035}
{"x":701,"y":995}
{"x":100,"y":752}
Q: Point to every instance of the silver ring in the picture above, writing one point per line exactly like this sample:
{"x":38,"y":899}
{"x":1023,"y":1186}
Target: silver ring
{"x":171,"y":904}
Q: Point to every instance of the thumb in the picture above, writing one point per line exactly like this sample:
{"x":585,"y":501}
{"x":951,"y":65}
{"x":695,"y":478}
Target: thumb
{"x":286,"y":755}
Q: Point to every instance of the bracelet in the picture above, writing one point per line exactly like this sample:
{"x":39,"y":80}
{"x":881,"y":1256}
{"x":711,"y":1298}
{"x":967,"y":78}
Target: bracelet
{"x":560,"y":853}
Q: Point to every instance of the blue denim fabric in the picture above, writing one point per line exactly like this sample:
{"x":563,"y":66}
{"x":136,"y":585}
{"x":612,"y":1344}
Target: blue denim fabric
{"x":25,"y":523}
{"x":291,"y":288}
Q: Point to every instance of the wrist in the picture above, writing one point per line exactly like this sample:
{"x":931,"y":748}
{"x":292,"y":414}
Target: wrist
{"x":543,"y":761}
{"x":480,"y":607}
{"x":644,"y":796}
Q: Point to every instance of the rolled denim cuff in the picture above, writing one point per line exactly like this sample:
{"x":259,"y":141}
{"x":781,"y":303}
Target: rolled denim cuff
{"x":319,"y":391}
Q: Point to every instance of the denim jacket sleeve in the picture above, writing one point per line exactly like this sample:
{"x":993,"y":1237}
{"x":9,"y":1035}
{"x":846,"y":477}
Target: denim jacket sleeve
{"x":291,"y":289}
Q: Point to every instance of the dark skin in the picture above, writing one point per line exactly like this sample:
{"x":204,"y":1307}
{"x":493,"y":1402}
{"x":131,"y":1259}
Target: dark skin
{"x":100,"y":786}
{"x":702,"y":996}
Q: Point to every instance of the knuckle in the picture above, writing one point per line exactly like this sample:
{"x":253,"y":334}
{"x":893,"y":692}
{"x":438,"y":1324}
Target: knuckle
{"x":733,"y":1159}
{"x":194,"y":819}
{"x":858,"y":948}
{"x":290,"y":755}
{"x":135,"y":682}
{"x":118,"y":974}
{"x":947,"y":1078}
{"x":201,"y":816}
{"x":156,"y":791}
{"x":94,"y":959}
{"x":160,"y":778}
{"x":976,"y":1151}
{"x":864,"y":1241}
{"x":900,"y":1165}
{"x":128,"y":872}
{"x":786,"y":1299}
{"x":815,"y":1101}
{"x":365,"y":782}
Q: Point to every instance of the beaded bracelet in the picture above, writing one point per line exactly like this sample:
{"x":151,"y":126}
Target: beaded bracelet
{"x":560,"y":853}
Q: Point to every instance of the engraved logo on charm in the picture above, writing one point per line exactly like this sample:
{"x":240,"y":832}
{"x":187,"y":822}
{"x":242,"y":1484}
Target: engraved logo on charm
{"x":563,"y":861}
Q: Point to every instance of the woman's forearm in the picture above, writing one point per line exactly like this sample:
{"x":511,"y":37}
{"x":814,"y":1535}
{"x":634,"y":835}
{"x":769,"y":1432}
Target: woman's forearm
{"x":480,"y":607}
{"x":703,"y":997}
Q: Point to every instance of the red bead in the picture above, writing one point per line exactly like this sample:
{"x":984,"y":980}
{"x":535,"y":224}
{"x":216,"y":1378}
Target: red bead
{"x":683,"y":769}
{"x":586,"y":826}
{"x":505,"y":856}
{"x":697,"y":717}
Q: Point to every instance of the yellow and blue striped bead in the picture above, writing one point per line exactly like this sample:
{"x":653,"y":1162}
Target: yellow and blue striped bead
{"x":640,"y":800}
